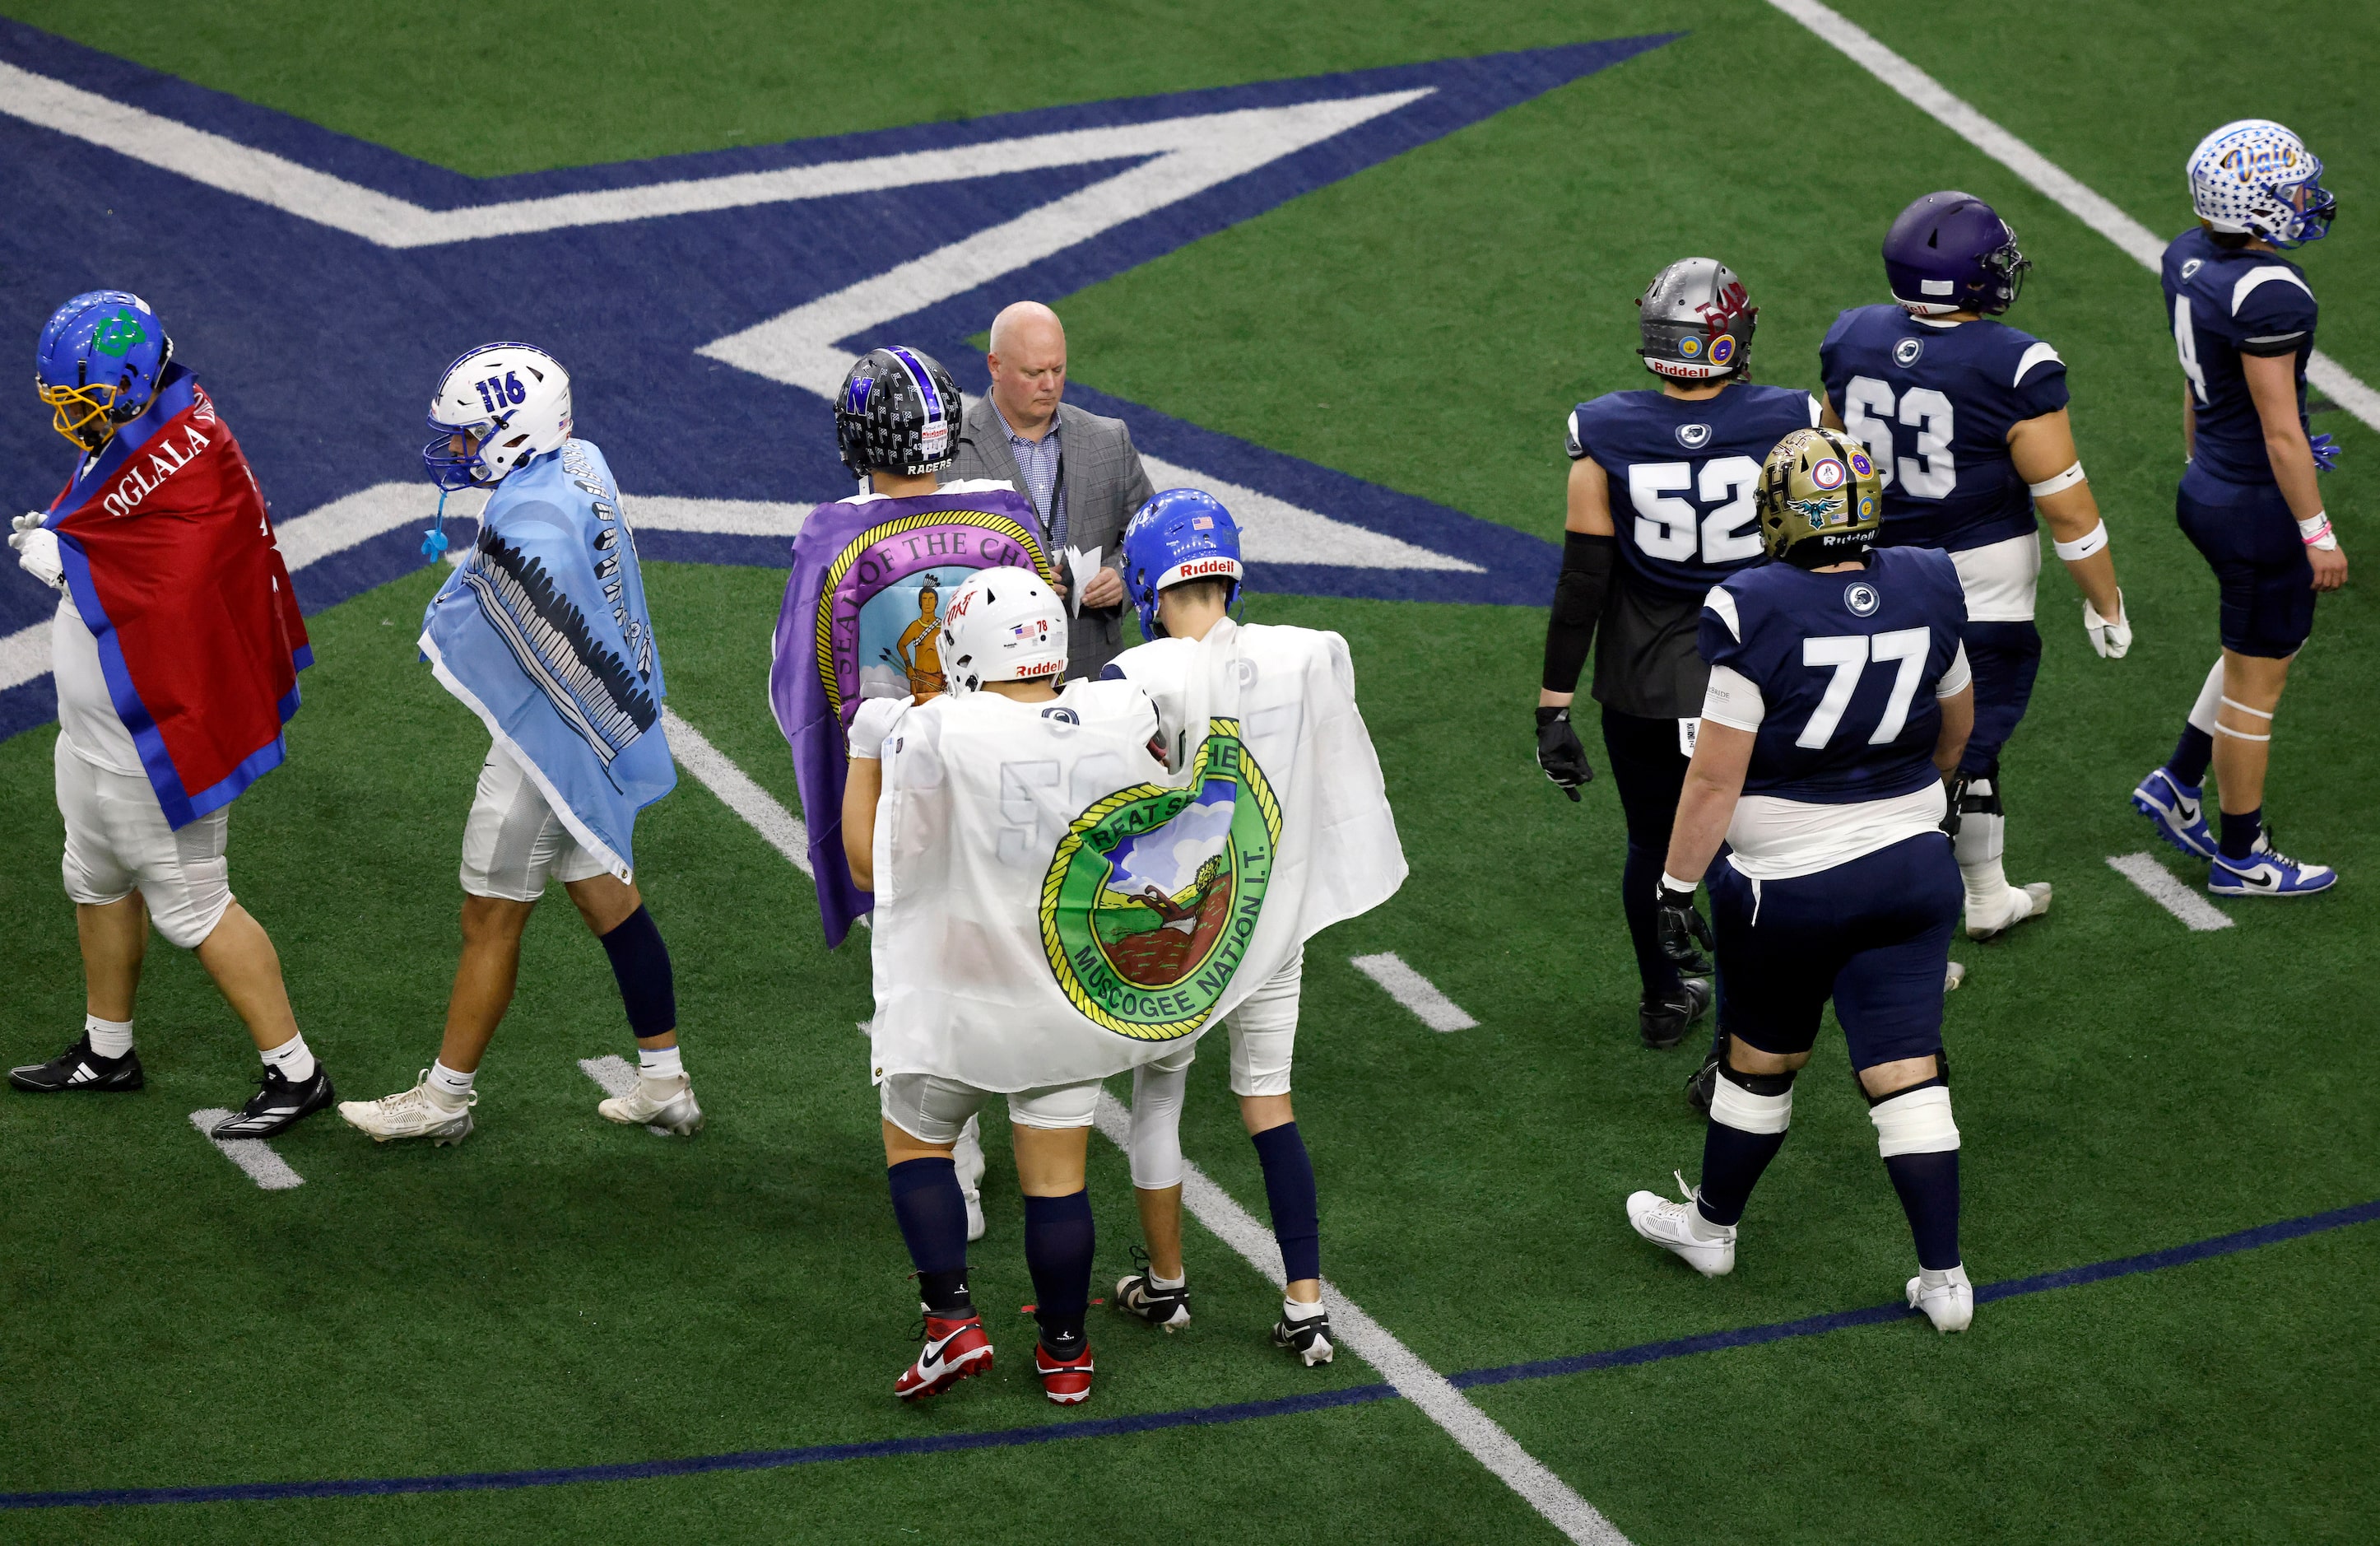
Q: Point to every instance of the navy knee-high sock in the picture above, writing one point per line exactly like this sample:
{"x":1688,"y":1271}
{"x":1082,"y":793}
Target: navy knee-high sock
{"x":1732,"y":1160}
{"x":2191,"y":756}
{"x":640,"y":963}
{"x":1058,"y":1242}
{"x":1640,"y":877}
{"x":932,"y":1212}
{"x":1289,"y":1192}
{"x":1928,"y":1185}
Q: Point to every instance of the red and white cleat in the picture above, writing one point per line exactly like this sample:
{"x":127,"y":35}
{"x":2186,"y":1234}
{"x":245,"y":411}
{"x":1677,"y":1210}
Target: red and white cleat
{"x":954,"y":1350}
{"x":1066,"y":1381}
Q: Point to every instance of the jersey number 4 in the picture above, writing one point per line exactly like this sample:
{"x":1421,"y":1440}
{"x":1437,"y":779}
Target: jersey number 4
{"x":2185,"y":343}
{"x":1671,"y":528}
{"x":1849,"y":655}
{"x":1868,"y":414}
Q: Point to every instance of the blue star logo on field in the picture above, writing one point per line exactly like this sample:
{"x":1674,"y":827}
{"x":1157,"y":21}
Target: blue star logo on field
{"x":709,"y":303}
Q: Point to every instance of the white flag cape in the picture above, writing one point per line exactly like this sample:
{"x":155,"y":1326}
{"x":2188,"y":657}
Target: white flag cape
{"x":1053,"y":905}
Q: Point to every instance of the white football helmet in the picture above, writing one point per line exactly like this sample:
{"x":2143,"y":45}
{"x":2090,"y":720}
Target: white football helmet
{"x":512,"y":399}
{"x":1003,"y":626}
{"x":2254,"y":177}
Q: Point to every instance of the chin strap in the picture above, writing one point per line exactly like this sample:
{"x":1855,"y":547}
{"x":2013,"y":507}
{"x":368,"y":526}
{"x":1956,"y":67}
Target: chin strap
{"x":433,"y":539}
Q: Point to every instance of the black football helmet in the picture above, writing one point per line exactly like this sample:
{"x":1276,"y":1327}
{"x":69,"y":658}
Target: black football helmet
{"x":897,"y":411}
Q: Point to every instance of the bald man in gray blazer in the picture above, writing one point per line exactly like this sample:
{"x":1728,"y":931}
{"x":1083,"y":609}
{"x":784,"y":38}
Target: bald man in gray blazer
{"x":1079,"y":471}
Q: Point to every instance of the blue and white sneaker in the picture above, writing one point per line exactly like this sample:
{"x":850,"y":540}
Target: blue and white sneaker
{"x":2267,"y":871}
{"x":2175,"y":809}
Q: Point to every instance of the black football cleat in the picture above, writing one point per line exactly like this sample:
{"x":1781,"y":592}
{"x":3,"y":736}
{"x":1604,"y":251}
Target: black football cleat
{"x":278,"y":1105}
{"x":1310,"y":1338}
{"x":78,"y":1068}
{"x":1663,"y":1022}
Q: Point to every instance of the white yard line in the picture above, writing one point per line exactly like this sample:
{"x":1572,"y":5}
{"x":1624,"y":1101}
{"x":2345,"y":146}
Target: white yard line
{"x":612,"y":1072}
{"x":2102,"y":215}
{"x":1477,"y":1433}
{"x":264,"y":1167}
{"x":735,"y":789}
{"x":2144,"y":871}
{"x":1211,"y":1206}
{"x":1413,"y":990}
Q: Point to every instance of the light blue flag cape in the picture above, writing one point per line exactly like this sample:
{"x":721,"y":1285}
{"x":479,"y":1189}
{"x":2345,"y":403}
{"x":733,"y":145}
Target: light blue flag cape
{"x":542,"y":632}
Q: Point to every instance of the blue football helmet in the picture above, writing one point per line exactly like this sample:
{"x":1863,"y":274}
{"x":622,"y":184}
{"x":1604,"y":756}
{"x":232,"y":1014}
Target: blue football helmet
{"x":1950,"y":251}
{"x":99,"y":364}
{"x":1180,"y":534}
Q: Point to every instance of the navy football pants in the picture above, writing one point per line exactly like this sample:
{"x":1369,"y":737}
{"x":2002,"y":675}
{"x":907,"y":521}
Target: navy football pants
{"x":2005,"y":658}
{"x":1873,"y":934}
{"x":1650,"y":773}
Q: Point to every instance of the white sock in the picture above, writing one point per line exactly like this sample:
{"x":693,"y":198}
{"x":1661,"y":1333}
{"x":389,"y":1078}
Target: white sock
{"x":297,"y":1064}
{"x":1931,"y":1277}
{"x":660,"y":1063}
{"x":455,"y":1088}
{"x":1702,"y":1228}
{"x":108,"y":1038}
{"x":1297,"y":1310}
{"x":1156,"y":1282}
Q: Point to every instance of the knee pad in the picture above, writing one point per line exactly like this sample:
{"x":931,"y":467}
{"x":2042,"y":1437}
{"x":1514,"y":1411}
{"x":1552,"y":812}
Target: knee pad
{"x":2210,"y":698}
{"x":1155,"y":1142}
{"x":1759,"y":1103}
{"x":1916,"y":1120}
{"x":1981,"y":831}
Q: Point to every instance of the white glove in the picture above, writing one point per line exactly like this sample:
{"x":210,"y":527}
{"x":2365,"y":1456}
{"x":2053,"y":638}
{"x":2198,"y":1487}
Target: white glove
{"x":2111,"y":638}
{"x":36,"y":551}
{"x":874,"y":721}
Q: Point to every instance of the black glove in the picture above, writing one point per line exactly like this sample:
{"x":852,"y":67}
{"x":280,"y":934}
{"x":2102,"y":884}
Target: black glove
{"x":1679,"y":929}
{"x":1558,"y":752}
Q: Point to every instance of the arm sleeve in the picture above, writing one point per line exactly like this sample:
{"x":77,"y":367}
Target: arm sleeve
{"x":1956,"y":678}
{"x":1734,"y":698}
{"x":1578,"y":604}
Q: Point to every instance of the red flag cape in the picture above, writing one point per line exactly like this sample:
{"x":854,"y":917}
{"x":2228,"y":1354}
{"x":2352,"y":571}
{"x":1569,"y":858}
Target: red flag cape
{"x":170,"y":558}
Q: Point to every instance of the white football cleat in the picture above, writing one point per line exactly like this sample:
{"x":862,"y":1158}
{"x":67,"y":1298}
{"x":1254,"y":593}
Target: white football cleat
{"x":2015,"y":905}
{"x":1708,"y":1248}
{"x":418,"y":1113}
{"x":667,"y":1103}
{"x":1951,"y":1305}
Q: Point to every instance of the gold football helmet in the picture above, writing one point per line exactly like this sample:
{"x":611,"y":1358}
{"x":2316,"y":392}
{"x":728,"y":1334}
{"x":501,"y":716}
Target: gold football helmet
{"x":1820,"y":499}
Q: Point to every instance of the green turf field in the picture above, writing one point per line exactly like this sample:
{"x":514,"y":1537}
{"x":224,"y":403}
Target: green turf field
{"x":562,"y":1293}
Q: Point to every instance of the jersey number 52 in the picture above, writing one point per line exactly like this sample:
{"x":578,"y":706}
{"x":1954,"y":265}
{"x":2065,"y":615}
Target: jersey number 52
{"x":1868,"y":414}
{"x":1671,"y":528}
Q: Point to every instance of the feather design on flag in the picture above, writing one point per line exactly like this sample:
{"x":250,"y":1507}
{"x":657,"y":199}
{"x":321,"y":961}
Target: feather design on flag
{"x":596,"y":692}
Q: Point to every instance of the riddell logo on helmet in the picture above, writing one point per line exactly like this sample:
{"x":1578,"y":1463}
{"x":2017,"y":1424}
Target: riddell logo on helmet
{"x":1198,"y":568}
{"x":1046,"y":668}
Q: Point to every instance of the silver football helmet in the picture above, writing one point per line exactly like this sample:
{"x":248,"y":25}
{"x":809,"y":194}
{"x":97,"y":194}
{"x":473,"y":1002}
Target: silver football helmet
{"x":1697,"y":322}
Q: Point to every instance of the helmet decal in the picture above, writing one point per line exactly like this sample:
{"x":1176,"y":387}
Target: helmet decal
{"x":1820,"y":499}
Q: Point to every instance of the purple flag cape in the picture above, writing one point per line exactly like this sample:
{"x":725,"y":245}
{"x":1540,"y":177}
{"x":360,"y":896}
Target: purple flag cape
{"x":862,"y":619}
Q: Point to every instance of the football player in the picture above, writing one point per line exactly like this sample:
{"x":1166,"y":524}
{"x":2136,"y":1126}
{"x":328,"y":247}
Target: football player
{"x":1003,"y":651}
{"x":2243,"y":319}
{"x":543,"y":631}
{"x":174,"y":648}
{"x":1966,"y":418}
{"x":1662,"y":509}
{"x":1183,"y":572}
{"x":1838,"y":705}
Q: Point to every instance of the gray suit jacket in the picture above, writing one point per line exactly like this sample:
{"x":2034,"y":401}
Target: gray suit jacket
{"x":1104,"y":483}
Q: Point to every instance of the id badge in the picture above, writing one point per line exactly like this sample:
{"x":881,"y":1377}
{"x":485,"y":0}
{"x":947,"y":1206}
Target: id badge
{"x":1687,"y":730}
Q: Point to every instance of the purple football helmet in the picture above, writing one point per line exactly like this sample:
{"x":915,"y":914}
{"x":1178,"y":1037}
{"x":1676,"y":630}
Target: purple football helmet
{"x":1950,"y":251}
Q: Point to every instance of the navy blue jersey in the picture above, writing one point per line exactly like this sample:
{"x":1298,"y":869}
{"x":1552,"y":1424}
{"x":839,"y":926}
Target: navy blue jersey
{"x":2225,"y":304}
{"x":1685,"y":477}
{"x":1846,"y":665}
{"x":1935,"y":403}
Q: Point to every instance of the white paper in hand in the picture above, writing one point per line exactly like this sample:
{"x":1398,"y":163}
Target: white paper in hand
{"x":1081,"y":569}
